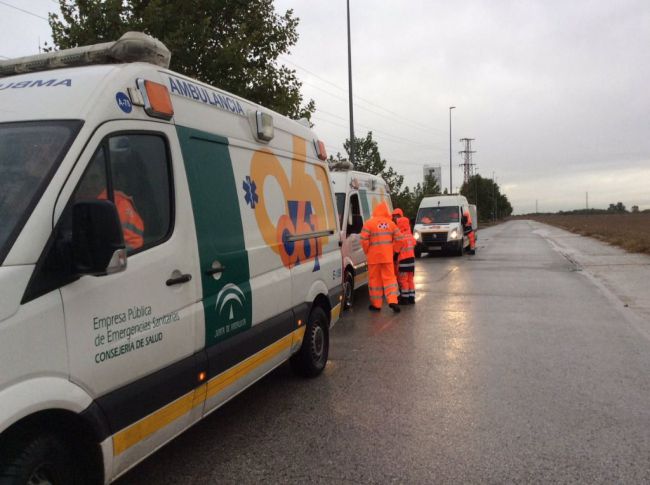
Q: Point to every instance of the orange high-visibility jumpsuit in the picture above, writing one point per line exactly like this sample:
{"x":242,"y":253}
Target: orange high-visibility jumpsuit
{"x":406,"y":262}
{"x":397,"y":213}
{"x":132,"y":224}
{"x":469,"y":231}
{"x":380,"y":238}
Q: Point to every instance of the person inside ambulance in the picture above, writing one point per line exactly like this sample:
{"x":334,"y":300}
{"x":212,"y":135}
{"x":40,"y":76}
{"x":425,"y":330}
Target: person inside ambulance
{"x":380,"y":238}
{"x":94,"y":186}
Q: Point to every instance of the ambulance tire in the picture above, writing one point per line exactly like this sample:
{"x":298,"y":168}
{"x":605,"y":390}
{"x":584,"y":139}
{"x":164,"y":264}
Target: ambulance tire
{"x":418,"y":252}
{"x":37,"y":459}
{"x":460,"y":249}
{"x":348,"y":290}
{"x":311,"y":359}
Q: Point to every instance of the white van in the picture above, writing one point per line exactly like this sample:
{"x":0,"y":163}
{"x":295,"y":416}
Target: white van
{"x":439,"y":225}
{"x":163,"y":245}
{"x":357,"y":195}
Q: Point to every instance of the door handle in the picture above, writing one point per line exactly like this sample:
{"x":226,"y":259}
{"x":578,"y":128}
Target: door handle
{"x":177,"y":280}
{"x":212,"y":271}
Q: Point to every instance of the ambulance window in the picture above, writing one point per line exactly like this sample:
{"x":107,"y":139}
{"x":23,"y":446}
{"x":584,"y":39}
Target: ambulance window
{"x":340,"y":206}
{"x":93,"y":184}
{"x":355,"y":219}
{"x":140,"y":175}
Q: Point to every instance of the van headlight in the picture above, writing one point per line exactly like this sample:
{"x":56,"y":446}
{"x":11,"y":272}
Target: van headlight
{"x":453,"y":234}
{"x":416,"y":235}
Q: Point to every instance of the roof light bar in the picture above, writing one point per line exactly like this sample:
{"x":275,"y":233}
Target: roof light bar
{"x":131,"y":47}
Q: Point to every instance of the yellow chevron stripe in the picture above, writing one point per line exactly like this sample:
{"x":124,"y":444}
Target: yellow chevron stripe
{"x":130,"y":436}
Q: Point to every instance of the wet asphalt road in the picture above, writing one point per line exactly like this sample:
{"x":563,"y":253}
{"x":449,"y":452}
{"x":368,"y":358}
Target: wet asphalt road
{"x":513,"y":366}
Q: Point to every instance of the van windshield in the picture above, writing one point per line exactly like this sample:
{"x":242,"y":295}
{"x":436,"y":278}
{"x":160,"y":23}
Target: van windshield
{"x":438,"y":215}
{"x":29,"y":155}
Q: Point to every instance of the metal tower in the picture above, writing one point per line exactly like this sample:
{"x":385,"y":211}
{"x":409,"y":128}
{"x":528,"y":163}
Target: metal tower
{"x":468,"y":166}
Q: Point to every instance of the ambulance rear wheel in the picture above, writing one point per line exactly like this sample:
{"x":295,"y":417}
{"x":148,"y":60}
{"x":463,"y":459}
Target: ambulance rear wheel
{"x":312,"y":356}
{"x":348,"y":290}
{"x":37,"y":460}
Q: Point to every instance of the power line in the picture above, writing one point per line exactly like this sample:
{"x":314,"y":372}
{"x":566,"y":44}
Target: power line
{"x":392,"y":113}
{"x":23,"y":10}
{"x":390,"y":138}
{"x":355,"y":104}
{"x":412,"y":142}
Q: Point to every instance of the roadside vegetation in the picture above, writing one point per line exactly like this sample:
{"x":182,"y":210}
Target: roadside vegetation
{"x":630,"y":231}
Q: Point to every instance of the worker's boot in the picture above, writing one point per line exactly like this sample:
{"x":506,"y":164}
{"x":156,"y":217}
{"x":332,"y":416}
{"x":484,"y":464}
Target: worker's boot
{"x":402,"y":300}
{"x":394,"y":307}
{"x":411,"y":300}
{"x":373,"y":308}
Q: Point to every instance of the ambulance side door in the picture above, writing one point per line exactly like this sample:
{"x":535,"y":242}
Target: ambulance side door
{"x":135,"y":337}
{"x":352,"y":245}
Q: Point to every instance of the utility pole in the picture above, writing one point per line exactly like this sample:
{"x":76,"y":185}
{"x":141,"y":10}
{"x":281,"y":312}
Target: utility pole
{"x":587,"y":200}
{"x":536,"y":211}
{"x":350,"y":90}
{"x":494,"y":212}
{"x":450,"y":168}
{"x":467,"y":158}
{"x":496,"y":201}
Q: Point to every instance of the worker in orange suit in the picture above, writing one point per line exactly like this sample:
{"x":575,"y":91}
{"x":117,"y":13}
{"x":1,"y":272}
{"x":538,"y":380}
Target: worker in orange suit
{"x":406,"y":263}
{"x":397,"y":213}
{"x":132,"y":224}
{"x":380,"y":238}
{"x":469,"y":231}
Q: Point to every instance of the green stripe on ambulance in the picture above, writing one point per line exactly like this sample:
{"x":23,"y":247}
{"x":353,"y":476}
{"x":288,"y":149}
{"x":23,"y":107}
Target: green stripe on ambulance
{"x":227,"y":297}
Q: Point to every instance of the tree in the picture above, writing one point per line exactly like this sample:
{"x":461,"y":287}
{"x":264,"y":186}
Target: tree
{"x":366,"y":155}
{"x":368,"y":159}
{"x":231,"y":44}
{"x":428,"y":188}
{"x":486,"y":195}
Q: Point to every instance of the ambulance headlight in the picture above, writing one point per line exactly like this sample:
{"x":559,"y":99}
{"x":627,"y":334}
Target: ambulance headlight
{"x":453,"y":234}
{"x":417,"y":236}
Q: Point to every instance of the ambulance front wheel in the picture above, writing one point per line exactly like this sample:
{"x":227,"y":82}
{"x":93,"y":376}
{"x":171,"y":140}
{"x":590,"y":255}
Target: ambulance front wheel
{"x":348,"y":290}
{"x":37,"y":459}
{"x":418,"y":252}
{"x":312,"y":356}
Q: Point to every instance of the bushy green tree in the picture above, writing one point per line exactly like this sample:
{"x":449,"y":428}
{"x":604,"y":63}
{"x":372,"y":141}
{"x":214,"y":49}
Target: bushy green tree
{"x":486,"y":195}
{"x":231,"y":44}
{"x":367,"y":158}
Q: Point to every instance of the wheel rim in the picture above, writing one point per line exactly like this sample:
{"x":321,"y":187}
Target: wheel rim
{"x":41,"y":476}
{"x":347,"y":291}
{"x":317,"y":344}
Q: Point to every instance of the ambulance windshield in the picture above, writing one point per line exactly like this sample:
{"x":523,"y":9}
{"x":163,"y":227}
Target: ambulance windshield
{"x":438,"y":215}
{"x":29,"y":155}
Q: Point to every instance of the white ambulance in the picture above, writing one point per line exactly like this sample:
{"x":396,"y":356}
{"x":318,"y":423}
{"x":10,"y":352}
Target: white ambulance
{"x":357,"y":195}
{"x":163,"y":245}
{"x":439,"y":225}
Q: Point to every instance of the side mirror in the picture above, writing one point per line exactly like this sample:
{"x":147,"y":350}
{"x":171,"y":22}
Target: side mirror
{"x":97,"y":240}
{"x":464,"y":220}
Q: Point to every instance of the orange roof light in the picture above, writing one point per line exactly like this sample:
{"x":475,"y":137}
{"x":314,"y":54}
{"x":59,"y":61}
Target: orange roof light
{"x":157,"y":101}
{"x":320,"y":150}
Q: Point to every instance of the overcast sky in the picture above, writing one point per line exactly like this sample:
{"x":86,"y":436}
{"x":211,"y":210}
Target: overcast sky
{"x":556,"y":93}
